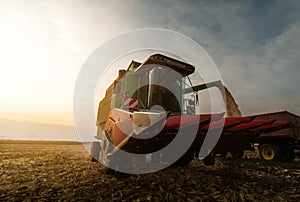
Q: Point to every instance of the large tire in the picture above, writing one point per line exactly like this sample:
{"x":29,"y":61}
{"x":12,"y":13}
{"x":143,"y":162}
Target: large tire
{"x":221,"y":155}
{"x":117,"y":174}
{"x":292,"y":156}
{"x":209,"y":160}
{"x":95,"y":151}
{"x":269,"y":152}
{"x":237,"y":154}
{"x":184,"y":160}
{"x":155,"y":158}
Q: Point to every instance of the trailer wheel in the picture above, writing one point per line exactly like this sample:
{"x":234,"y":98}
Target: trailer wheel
{"x":237,"y":154}
{"x":269,"y":152}
{"x":95,"y":151}
{"x":292,"y":155}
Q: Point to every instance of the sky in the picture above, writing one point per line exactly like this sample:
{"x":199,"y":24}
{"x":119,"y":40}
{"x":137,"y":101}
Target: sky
{"x":254,"y":44}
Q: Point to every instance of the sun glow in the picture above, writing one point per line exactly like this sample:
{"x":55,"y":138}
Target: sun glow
{"x":32,"y":81}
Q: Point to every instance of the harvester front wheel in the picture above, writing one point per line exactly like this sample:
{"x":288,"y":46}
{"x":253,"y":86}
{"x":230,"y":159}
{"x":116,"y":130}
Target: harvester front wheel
{"x":95,"y":151}
{"x":269,"y":152}
{"x":209,"y":160}
{"x":184,"y":160}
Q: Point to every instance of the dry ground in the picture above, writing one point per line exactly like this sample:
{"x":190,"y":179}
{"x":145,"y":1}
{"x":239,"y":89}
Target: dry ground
{"x":63,"y":172}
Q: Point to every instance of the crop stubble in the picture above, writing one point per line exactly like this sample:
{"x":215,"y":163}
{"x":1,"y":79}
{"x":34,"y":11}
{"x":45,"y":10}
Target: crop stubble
{"x":63,"y":172}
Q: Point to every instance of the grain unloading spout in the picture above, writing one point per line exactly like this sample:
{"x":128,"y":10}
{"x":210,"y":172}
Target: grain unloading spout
{"x":203,"y":86}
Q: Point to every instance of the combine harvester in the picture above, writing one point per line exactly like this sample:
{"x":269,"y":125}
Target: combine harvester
{"x":149,"y":103}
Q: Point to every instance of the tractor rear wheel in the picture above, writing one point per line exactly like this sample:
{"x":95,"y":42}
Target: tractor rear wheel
{"x":269,"y":152}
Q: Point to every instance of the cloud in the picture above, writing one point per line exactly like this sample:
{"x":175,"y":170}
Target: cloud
{"x":276,"y":72}
{"x":255,"y":46}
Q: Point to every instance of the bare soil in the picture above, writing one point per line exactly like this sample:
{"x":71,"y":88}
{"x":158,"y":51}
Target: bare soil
{"x":64,"y":172}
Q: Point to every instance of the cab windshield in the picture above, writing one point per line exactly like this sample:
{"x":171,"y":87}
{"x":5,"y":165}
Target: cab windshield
{"x":162,"y":87}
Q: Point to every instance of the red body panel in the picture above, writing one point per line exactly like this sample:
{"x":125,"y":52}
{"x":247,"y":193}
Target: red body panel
{"x":174,"y":122}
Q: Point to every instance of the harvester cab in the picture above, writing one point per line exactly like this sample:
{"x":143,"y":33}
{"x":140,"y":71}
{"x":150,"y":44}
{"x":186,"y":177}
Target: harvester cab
{"x":159,"y":84}
{"x":150,"y":101}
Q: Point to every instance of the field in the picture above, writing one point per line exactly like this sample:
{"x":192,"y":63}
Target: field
{"x":45,"y":171}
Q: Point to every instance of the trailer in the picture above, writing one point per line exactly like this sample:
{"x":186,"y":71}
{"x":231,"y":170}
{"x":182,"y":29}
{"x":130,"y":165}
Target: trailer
{"x":279,"y":145}
{"x":141,"y":115}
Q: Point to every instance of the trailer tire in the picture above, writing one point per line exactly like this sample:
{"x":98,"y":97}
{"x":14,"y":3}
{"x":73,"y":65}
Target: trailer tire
{"x":291,"y":156}
{"x":269,"y":152}
{"x":95,"y":151}
{"x":237,"y":154}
